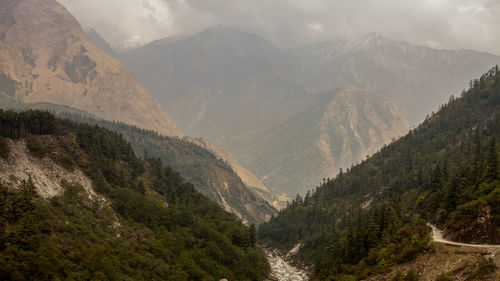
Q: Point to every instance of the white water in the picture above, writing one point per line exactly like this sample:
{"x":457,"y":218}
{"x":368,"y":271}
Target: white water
{"x":281,"y":270}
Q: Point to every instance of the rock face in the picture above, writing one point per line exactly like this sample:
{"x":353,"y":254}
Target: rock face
{"x":276,"y":110}
{"x":46,"y":175}
{"x":46,"y":56}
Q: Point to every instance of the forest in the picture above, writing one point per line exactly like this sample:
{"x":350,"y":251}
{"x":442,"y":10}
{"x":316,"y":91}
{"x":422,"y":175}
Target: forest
{"x":374,"y":215}
{"x":154,"y":226}
{"x":195,"y":164}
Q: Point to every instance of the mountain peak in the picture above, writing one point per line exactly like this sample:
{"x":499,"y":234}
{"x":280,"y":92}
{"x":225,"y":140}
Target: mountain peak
{"x":371,"y":39}
{"x":220,"y":28}
{"x":233,"y":35}
{"x":48,"y":57}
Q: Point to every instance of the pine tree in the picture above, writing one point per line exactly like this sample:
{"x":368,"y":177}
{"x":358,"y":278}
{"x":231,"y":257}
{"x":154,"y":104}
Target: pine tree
{"x":492,"y":160}
{"x":253,"y":234}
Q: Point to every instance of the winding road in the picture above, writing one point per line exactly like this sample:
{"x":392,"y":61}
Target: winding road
{"x":437,"y":236}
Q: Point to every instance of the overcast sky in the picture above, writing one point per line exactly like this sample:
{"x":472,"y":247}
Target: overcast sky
{"x":451,"y":24}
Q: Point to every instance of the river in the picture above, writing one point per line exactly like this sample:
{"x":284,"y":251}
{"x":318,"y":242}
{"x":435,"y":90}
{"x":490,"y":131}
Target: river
{"x":281,"y":270}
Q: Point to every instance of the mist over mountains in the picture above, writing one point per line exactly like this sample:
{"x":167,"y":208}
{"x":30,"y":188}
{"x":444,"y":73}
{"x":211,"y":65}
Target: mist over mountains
{"x":237,"y":89}
{"x":48,"y":62}
{"x":331,"y":160}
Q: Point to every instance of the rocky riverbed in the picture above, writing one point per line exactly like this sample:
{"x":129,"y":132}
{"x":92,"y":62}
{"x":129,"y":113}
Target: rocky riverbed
{"x":281,"y":270}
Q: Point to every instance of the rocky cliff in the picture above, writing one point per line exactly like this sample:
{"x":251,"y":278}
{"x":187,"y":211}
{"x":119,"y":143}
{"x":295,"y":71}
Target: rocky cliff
{"x":46,"y":56}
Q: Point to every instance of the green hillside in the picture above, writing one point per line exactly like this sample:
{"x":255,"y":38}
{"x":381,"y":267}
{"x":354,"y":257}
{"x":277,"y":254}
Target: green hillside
{"x":200,"y":167}
{"x":374,"y":215}
{"x":149,"y":225}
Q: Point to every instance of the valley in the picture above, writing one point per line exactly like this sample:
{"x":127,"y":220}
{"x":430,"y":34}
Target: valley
{"x":249,"y":141}
{"x":408,"y":183}
{"x":295,"y":116}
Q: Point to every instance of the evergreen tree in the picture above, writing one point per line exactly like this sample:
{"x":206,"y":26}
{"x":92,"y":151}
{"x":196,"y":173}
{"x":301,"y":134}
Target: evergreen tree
{"x":492,"y":160}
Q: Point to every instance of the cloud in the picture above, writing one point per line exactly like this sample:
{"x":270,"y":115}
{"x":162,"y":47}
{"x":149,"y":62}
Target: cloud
{"x":453,"y":24}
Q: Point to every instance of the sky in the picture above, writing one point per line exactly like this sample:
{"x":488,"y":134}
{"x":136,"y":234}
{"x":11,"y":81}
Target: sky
{"x":445,"y":24}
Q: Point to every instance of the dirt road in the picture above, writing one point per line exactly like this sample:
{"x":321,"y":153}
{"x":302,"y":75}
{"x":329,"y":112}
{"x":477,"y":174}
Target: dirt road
{"x":437,"y":236}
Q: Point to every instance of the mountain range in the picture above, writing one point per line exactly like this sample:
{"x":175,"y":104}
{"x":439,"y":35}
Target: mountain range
{"x":293,"y":116}
{"x":98,"y":182}
{"x":48,"y":62}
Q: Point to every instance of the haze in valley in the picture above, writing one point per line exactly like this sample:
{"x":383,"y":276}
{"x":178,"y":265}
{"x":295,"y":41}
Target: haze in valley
{"x":296,"y":90}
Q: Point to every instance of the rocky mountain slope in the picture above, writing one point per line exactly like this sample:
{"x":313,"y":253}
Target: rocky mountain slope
{"x":46,"y":56}
{"x":70,"y":70}
{"x":46,"y":175}
{"x":237,"y":89}
{"x":249,"y":179}
{"x":211,"y":175}
{"x":342,"y":128}
{"x":417,"y":79}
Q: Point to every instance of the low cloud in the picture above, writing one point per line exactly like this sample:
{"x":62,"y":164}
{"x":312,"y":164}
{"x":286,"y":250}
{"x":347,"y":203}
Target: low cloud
{"x":452,"y":24}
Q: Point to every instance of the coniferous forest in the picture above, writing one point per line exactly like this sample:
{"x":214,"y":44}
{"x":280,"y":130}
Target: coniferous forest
{"x":152,"y":225}
{"x":159,"y":140}
{"x":195,"y":164}
{"x":374,"y":215}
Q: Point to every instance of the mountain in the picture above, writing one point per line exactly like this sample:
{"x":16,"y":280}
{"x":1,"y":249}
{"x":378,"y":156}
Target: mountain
{"x":70,"y":70}
{"x":340,"y":129}
{"x":100,"y":42}
{"x":238,"y":90}
{"x":219,"y":83}
{"x":415,"y":78}
{"x":45,"y":56}
{"x":373,"y":217}
{"x":226,"y":85}
{"x":77,"y":204}
{"x":249,"y":179}
{"x":213,"y":176}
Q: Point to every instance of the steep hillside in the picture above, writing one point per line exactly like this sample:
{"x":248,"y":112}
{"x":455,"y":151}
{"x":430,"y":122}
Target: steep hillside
{"x":46,"y":56}
{"x":415,"y":78}
{"x":237,"y":89}
{"x":249,"y":179}
{"x":212,"y":177}
{"x":342,"y":128}
{"x":100,"y":42}
{"x":447,"y":263}
{"x":77,"y":204}
{"x":220,"y":83}
{"x":374,"y":215}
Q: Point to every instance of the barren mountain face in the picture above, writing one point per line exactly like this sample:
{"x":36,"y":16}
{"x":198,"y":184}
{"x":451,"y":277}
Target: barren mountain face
{"x":46,"y":56}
